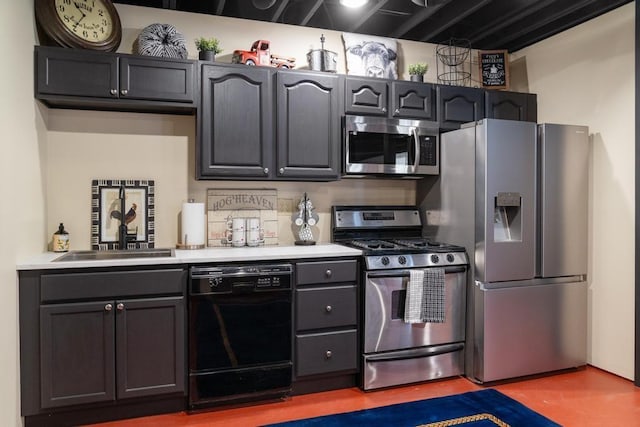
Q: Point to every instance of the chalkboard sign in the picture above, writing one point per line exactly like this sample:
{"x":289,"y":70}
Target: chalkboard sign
{"x":494,"y":69}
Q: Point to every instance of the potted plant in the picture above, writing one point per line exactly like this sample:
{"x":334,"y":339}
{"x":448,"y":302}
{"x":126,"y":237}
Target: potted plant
{"x":208,"y":48}
{"x":417,"y":71}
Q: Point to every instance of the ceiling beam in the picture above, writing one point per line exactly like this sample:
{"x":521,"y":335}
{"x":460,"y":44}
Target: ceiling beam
{"x":452,"y":16}
{"x":281,"y":7}
{"x":368,"y":14}
{"x":541,"y":22}
{"x":417,"y":19}
{"x":220,"y":7}
{"x":517,"y":15}
{"x":312,"y":12}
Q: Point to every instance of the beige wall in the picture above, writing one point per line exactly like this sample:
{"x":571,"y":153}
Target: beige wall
{"x":586,"y":76}
{"x":22,"y":163}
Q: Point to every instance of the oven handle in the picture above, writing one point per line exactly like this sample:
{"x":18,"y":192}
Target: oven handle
{"x":415,"y":353}
{"x":405,"y":273}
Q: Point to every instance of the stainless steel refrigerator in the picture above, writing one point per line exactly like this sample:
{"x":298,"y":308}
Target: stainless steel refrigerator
{"x":515,"y":195}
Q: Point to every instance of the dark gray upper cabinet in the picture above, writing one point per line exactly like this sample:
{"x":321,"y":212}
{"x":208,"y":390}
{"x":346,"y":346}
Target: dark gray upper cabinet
{"x":511,"y":106}
{"x":236,"y":123}
{"x":366,"y":96}
{"x":97,"y":80}
{"x":458,"y":105}
{"x":397,"y":99}
{"x":256,"y":123}
{"x":413,"y":100}
{"x":308,"y":125}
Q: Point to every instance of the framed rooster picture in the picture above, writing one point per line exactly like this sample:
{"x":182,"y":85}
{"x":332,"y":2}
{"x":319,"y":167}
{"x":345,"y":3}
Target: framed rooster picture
{"x":115,"y":202}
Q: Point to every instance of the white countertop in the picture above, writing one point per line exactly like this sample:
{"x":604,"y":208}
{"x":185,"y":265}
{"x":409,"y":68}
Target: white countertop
{"x":46,"y":261}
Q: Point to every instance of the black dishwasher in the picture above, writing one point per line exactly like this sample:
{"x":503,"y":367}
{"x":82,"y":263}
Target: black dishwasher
{"x":240,"y":334}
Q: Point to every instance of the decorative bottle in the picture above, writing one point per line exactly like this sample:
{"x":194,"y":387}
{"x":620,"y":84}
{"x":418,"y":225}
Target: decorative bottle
{"x":60,"y":240}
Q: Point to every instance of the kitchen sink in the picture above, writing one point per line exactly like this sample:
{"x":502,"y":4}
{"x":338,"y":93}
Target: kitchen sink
{"x":115,"y":254}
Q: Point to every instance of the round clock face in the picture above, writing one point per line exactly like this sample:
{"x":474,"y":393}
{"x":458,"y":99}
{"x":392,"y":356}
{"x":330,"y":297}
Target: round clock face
{"x":88,"y":20}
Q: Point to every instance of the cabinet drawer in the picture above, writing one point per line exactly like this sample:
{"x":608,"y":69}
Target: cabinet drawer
{"x":327,"y":352}
{"x":326,"y":272}
{"x":115,"y":284}
{"x":326,"y":307}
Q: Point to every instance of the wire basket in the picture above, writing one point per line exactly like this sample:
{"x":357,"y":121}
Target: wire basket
{"x":454,"y":62}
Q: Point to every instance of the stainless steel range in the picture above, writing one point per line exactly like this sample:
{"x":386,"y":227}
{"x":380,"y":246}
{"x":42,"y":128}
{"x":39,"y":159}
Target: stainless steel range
{"x":396,"y":349}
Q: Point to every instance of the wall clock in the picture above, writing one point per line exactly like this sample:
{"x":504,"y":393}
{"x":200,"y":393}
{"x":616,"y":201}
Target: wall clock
{"x":80,"y":24}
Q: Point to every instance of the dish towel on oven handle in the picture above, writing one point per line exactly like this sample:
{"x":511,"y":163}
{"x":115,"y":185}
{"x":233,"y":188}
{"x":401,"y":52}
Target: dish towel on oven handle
{"x":425,"y":300}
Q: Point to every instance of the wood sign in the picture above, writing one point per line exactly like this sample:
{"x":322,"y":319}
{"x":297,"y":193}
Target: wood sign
{"x":494,"y":69}
{"x":226,"y":204}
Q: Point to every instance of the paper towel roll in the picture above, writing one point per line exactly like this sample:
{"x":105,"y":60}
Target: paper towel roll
{"x":193,"y":233}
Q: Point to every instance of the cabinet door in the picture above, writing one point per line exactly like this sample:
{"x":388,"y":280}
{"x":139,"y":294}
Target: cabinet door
{"x":77,"y":353}
{"x":413,"y":100}
{"x":510,"y":106}
{"x":458,"y":105}
{"x":76,"y":73}
{"x":158,"y":80}
{"x":236,"y":138}
{"x":150,"y":343}
{"x":366,"y":96}
{"x":308,"y":130}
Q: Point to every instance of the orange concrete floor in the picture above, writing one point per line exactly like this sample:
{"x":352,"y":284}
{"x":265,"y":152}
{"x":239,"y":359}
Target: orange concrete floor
{"x":586,"y":397}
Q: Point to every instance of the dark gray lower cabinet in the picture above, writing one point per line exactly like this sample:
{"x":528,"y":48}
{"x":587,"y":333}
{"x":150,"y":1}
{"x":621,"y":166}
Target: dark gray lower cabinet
{"x":106,"y":350}
{"x":93,"y":341}
{"x":326,"y":323}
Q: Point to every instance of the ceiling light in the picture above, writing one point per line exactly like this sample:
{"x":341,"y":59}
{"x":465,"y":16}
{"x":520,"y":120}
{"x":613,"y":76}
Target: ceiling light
{"x":353,"y":3}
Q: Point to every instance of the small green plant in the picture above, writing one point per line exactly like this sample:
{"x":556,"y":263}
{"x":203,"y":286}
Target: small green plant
{"x":418,"y":69}
{"x":212,"y":44}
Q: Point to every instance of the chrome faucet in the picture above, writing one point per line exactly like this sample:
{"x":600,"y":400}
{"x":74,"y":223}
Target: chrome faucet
{"x":122,"y":229}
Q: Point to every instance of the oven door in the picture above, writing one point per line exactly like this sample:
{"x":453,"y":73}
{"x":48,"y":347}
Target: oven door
{"x":384,"y":325}
{"x":375,"y":145}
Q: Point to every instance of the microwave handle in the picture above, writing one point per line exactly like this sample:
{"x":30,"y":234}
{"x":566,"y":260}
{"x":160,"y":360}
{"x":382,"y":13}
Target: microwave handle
{"x":416,"y":140}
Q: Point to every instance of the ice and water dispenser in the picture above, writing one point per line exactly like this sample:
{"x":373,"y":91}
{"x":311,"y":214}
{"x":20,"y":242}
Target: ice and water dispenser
{"x":507,"y":217}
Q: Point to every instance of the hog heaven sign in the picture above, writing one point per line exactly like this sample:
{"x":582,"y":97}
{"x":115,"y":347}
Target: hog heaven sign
{"x":494,"y":69}
{"x":225,"y":204}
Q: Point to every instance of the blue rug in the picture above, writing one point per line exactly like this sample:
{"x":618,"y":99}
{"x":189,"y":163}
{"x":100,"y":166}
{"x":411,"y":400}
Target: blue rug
{"x":484,"y":408}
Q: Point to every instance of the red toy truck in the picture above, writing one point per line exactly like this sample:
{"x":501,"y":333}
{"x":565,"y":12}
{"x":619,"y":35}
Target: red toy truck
{"x":260,"y":55}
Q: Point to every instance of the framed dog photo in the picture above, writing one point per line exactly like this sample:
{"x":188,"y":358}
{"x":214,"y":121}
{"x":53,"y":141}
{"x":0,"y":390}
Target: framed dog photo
{"x":107,"y":213}
{"x":494,"y":69}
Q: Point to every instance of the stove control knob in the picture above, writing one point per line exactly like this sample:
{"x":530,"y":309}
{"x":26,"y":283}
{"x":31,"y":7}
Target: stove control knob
{"x":450,"y":258}
{"x":384,"y":260}
{"x":402,"y":260}
{"x":435,"y":258}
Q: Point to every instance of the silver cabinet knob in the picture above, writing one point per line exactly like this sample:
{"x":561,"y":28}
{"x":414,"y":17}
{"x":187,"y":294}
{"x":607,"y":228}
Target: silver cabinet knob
{"x":328,"y":308}
{"x":328,"y":354}
{"x":124,"y":92}
{"x":266,"y":170}
{"x":281,"y":170}
{"x":397,"y":111}
{"x":108,"y":307}
{"x":120,"y":306}
{"x":328,"y":273}
{"x":113,"y":92}
{"x":384,"y":110}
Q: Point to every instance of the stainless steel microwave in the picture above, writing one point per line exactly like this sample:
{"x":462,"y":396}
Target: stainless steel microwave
{"x":390,"y":147}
